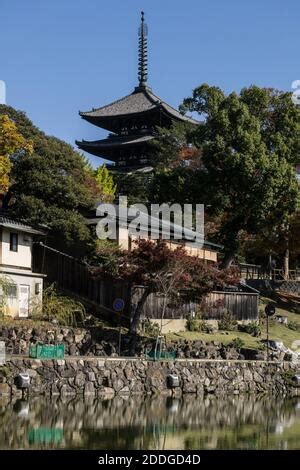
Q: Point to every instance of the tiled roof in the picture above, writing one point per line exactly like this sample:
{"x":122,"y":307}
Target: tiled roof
{"x":145,"y":221}
{"x":114,"y":141}
{"x":140,"y":101}
{"x":13,"y":224}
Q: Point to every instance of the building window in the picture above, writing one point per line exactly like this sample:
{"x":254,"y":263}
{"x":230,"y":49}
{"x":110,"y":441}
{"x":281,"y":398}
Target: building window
{"x":13,"y":241}
{"x":11,"y":291}
{"x":37,"y":288}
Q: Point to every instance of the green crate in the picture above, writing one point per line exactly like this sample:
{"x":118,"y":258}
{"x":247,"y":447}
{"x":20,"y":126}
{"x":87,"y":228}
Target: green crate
{"x":161,"y":355}
{"x":45,"y":436}
{"x":47,"y":351}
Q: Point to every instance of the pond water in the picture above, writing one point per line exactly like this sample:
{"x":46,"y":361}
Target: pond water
{"x":188,"y":422}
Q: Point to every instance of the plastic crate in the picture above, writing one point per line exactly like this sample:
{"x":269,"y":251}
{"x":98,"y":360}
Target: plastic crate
{"x":47,"y":351}
{"x":45,"y":436}
{"x":171,"y":355}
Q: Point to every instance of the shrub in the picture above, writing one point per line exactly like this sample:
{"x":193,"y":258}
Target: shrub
{"x":237,"y":343}
{"x":192,"y":324}
{"x":252,"y":329}
{"x":293,"y":325}
{"x":197,"y":324}
{"x":65,"y":310}
{"x":5,"y":285}
{"x":227,"y":322}
{"x":149,"y":328}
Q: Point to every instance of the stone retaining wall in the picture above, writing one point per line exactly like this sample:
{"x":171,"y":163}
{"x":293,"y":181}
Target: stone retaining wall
{"x":104,"y":342}
{"x":110,"y":376}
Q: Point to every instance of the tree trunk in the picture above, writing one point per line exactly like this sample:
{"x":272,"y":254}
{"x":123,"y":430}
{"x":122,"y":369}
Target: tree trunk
{"x":6,"y":199}
{"x":286,"y":256}
{"x":135,"y":320}
{"x":228,"y":260}
{"x":286,"y":262}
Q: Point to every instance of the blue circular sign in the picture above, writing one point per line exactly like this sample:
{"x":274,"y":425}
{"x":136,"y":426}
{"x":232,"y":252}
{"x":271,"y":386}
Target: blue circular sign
{"x":118,"y":305}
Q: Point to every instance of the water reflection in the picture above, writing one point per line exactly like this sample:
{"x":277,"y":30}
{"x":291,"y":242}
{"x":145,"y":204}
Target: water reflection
{"x":151,"y":423}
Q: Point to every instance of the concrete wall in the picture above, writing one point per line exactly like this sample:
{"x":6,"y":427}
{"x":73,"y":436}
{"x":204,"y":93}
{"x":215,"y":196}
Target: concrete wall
{"x":20,"y":258}
{"x":170,"y":325}
{"x":110,"y":376}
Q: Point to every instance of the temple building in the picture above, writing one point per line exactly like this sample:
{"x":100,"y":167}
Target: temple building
{"x":132,"y":121}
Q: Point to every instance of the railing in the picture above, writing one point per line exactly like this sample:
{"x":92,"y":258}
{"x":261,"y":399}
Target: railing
{"x":256,"y":271}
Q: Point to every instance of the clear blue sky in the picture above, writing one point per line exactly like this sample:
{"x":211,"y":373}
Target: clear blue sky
{"x":61,"y":56}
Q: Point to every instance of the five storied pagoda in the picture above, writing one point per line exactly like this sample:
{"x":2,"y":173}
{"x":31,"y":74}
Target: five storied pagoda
{"x":132,"y":121}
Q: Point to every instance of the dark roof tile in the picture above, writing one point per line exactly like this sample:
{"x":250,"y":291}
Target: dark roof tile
{"x":140,"y":101}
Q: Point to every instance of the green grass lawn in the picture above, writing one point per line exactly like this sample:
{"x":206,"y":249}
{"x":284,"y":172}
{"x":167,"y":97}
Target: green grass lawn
{"x":221,"y":337}
{"x":277,"y":332}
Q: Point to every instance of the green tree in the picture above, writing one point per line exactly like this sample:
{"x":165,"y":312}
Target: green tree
{"x":51,"y":185}
{"x":105,"y":183}
{"x":279,"y":120}
{"x":170,"y":145}
{"x":250,"y":178}
{"x":135,"y":185}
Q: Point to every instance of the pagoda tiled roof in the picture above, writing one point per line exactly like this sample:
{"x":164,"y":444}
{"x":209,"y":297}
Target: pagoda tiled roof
{"x":114,"y":141}
{"x":140,"y":101}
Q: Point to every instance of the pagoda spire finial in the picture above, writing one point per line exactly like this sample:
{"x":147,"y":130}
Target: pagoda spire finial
{"x":143,"y":55}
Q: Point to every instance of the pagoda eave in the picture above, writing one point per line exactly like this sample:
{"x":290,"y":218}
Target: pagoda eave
{"x":111,"y":123}
{"x":106,"y":148}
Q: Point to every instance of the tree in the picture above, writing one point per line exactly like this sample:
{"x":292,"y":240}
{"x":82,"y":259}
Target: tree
{"x":279,"y":120}
{"x":173,"y":273}
{"x":173,"y":147}
{"x":179,"y":184}
{"x":280,"y":128}
{"x":250,"y":178}
{"x":105,"y":183}
{"x":50,"y":185}
{"x":12,"y":145}
{"x":134,"y":185}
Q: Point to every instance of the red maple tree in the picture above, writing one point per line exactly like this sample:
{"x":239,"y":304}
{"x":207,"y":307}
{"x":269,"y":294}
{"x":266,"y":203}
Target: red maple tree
{"x":173,"y":273}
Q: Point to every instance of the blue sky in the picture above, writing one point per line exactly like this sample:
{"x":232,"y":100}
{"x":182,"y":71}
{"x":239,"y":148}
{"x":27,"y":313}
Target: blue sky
{"x":61,"y":56}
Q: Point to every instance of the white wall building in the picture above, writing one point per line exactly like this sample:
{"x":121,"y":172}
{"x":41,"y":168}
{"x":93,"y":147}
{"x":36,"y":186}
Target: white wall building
{"x":23,"y":287}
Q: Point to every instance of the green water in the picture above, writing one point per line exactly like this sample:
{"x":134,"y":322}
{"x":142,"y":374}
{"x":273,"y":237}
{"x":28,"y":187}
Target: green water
{"x":151,"y":423}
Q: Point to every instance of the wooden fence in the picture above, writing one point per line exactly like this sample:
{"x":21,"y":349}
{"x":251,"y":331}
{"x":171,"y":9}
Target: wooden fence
{"x":256,"y":271}
{"x":71,"y":275}
{"x":242,"y":305}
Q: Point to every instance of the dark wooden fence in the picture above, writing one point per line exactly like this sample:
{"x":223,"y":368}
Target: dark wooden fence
{"x":242,"y":305}
{"x":71,"y":275}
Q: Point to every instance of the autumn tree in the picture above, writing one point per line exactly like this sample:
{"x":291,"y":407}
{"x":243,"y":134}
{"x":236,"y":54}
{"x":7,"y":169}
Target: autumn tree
{"x":50,"y":185}
{"x":12,"y":146}
{"x":159,"y":269}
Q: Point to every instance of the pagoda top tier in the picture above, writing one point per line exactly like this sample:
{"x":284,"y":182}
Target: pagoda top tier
{"x":141,"y":102}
